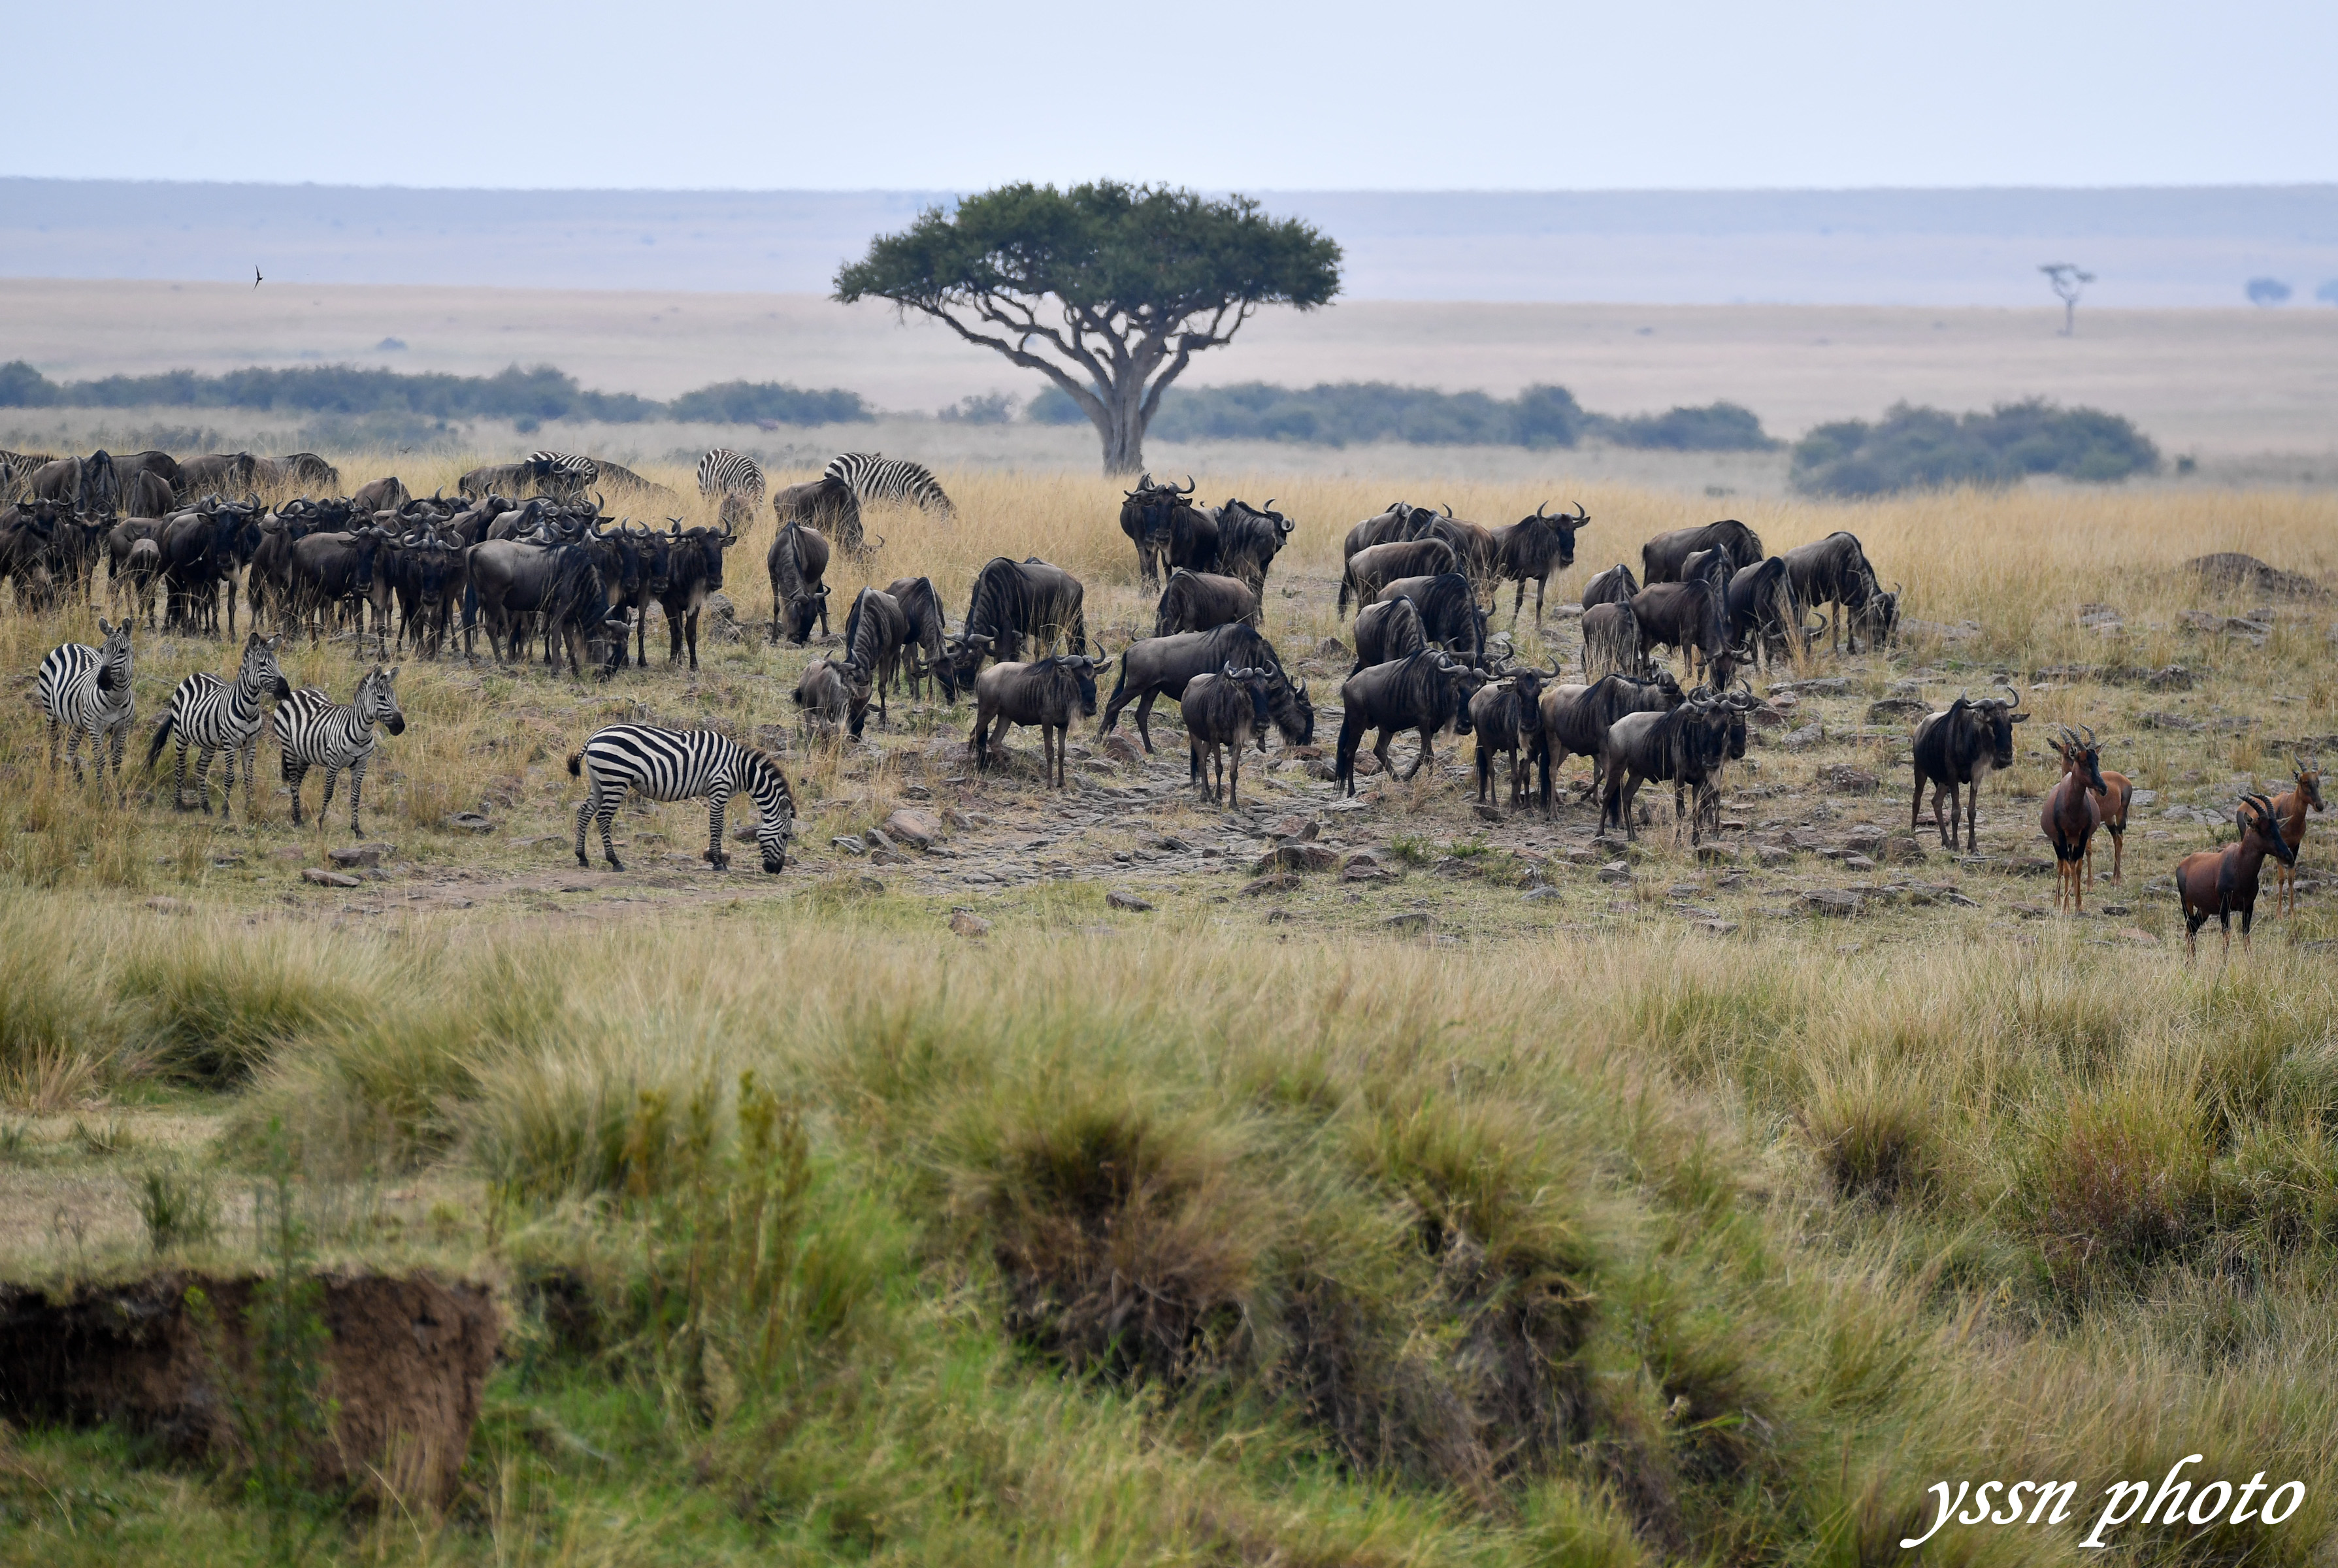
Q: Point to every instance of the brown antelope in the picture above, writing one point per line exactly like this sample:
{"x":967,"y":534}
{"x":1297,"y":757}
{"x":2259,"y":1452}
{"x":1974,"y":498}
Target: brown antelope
{"x":2119,"y":790}
{"x":2219,"y":881}
{"x":2289,"y":809}
{"x":2070,"y":816}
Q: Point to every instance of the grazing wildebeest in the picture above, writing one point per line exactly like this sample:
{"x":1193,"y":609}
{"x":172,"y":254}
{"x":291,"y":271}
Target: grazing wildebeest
{"x":557,"y":582}
{"x":1531,"y":549}
{"x":1249,"y":538}
{"x":1663,"y":557}
{"x":1611,"y":642}
{"x":921,"y":605}
{"x":1198,"y":601}
{"x":1505,"y":716}
{"x":1959,"y":747}
{"x":1614,"y":586}
{"x":2219,"y":881}
{"x":874,"y":634}
{"x":384,"y":495}
{"x":1386,"y":630}
{"x":1154,"y":667}
{"x":1149,"y":516}
{"x":155,"y":461}
{"x":1223,"y":713}
{"x":2069,"y":817}
{"x":311,"y":474}
{"x":1013,"y":601}
{"x":1051,"y":693}
{"x":1370,"y":569}
{"x":1424,"y":692}
{"x":216,"y":473}
{"x":1576,"y":721}
{"x":1686,"y":745}
{"x":1835,"y":571}
{"x":90,"y":483}
{"x":797,"y":562}
{"x":829,"y":694}
{"x":693,"y":571}
{"x":2289,"y":809}
{"x":827,"y":504}
{"x":146,"y":495}
{"x":1763,"y":614}
{"x":1449,"y":612}
{"x":1688,"y":616}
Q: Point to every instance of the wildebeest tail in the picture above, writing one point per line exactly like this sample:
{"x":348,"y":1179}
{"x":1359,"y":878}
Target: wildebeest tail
{"x":576,"y":764}
{"x":161,"y":737}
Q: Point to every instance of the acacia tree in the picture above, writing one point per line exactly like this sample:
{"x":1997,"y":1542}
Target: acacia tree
{"x":1107,"y":289}
{"x":2068,"y":282}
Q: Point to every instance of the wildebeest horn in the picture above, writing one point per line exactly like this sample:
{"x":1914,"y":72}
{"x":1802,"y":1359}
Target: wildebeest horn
{"x":1540,"y":506}
{"x":1449,"y":508}
{"x":1189,"y":486}
{"x":1556,"y":668}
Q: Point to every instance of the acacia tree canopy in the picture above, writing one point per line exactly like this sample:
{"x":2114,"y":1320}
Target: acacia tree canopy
{"x":1107,"y":289}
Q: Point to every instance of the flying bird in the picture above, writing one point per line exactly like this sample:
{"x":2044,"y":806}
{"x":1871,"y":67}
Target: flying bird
{"x":255,"y":275}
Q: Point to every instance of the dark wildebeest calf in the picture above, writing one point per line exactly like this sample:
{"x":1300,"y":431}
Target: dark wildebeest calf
{"x":1507,"y":717}
{"x":1223,"y":713}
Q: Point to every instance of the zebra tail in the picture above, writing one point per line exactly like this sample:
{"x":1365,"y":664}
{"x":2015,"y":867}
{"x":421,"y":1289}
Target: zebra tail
{"x":161,"y":736}
{"x":576,"y":764}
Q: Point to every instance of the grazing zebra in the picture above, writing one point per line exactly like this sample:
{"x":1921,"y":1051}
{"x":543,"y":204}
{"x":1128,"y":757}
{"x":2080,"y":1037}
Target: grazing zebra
{"x":737,"y":479}
{"x":876,"y":478}
{"x":565,"y":471}
{"x":315,"y":731}
{"x":682,"y":765}
{"x":86,"y":690}
{"x":213,"y":716}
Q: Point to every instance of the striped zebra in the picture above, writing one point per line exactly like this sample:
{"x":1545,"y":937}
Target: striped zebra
{"x":315,"y":731}
{"x":737,"y":479}
{"x":16,"y":471}
{"x":877,"y":479}
{"x":682,"y":765}
{"x":565,"y":471}
{"x":213,"y":716}
{"x":86,"y":690}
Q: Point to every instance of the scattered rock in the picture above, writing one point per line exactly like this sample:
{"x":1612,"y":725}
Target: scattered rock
{"x":1278,"y":882}
{"x":967,"y":924}
{"x":1487,"y":813}
{"x":2100,"y":618}
{"x":1947,"y":632}
{"x":1843,"y":778}
{"x":469,"y":822}
{"x":1543,"y":896}
{"x":1865,"y":838}
{"x":1904,"y":850}
{"x":877,"y":841}
{"x":1615,"y":871}
{"x":1857,"y":863}
{"x":2230,"y":569}
{"x":2138,"y":935}
{"x":2173,"y":678}
{"x":1716,"y":855}
{"x":1715,"y":928}
{"x":2168,"y":721}
{"x":1293,"y":828}
{"x":1117,"y":899}
{"x":914,"y":829}
{"x":1409,"y":923}
{"x":1120,"y":749}
{"x":1774,"y":855}
{"x":1807,"y":736}
{"x":1895,"y":709}
{"x":324,"y":878}
{"x":1332,"y":648}
{"x":1368,"y":764}
{"x":848,"y":844}
{"x":170,"y":906}
{"x":1298,"y":857}
{"x":1822,"y":686}
{"x":371,"y":854}
{"x":1836,"y":901}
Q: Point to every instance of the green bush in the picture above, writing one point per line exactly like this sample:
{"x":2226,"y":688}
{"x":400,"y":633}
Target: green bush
{"x":1913,"y":448}
{"x":745,"y":402}
{"x":1357,"y":411}
{"x":1715,"y":427}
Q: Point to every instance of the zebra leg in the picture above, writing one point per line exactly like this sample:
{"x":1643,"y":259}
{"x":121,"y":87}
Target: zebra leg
{"x":72,"y":754}
{"x":250,"y":766}
{"x":227,"y":788}
{"x":203,"y":777}
{"x":295,"y":774}
{"x":120,"y":734}
{"x":54,"y":728}
{"x":715,"y":800}
{"x":357,"y":789}
{"x":608,"y":815}
{"x":584,"y":809}
{"x":332,"y":777}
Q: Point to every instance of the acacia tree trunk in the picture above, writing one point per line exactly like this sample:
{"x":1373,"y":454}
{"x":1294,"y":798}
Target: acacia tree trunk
{"x":1119,"y":420}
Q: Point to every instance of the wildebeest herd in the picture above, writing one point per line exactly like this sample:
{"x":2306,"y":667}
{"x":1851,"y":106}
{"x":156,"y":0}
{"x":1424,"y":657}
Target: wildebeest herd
{"x":531,"y":555}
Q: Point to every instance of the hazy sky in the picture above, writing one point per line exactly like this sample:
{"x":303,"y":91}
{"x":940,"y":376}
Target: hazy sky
{"x":1713,"y":93}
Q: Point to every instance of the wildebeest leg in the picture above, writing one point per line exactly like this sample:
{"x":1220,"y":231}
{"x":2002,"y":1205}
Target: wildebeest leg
{"x":1145,"y":719}
{"x":1972,"y":816}
{"x":1343,"y":767}
{"x":1485,"y":760}
{"x":692,"y":625}
{"x":1426,"y":757}
{"x":1195,"y":772}
{"x":1233,"y":778}
{"x":716,"y":799}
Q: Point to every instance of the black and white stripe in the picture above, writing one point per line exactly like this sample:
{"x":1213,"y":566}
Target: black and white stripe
{"x":567,"y":470}
{"x":16,"y":470}
{"x":723,"y":472}
{"x":315,"y":731}
{"x":213,"y":716}
{"x":86,"y":690}
{"x":682,"y":765}
{"x":877,"y":479}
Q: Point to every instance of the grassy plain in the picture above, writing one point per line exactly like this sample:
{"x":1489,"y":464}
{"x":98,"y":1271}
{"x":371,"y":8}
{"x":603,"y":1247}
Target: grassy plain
{"x":1582,"y":1220}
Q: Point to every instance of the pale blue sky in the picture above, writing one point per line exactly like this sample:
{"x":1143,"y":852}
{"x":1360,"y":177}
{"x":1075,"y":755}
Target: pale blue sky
{"x":1215,"y":92}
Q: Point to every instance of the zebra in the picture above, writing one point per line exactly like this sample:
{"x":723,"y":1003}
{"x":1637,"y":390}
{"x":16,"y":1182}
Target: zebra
{"x":682,"y":765}
{"x":876,"y":478}
{"x":315,"y":731}
{"x":215,"y":715}
{"x":86,"y":690}
{"x":16,"y":470}
{"x":737,"y":479}
{"x":564,"y":472}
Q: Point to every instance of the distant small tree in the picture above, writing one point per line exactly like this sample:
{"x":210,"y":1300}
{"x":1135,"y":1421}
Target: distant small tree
{"x":2069,"y":283}
{"x":1107,"y":289}
{"x":2268,"y":291}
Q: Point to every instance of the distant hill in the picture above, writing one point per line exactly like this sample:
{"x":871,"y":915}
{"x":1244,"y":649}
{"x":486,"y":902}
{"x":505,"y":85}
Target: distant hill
{"x":2151,"y":248}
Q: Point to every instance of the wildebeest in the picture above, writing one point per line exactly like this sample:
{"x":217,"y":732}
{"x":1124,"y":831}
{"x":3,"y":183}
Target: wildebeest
{"x":1531,"y":549}
{"x":154,"y":460}
{"x":1386,"y":630}
{"x":921,"y":607}
{"x":329,"y":570}
{"x":1424,"y":692}
{"x":1151,"y":515}
{"x":384,"y":495}
{"x":1386,"y":527}
{"x":143,"y":567}
{"x":1835,"y":571}
{"x":1576,"y":721}
{"x":216,"y":473}
{"x":1688,"y":745}
{"x":1198,"y":601}
{"x":32,"y":557}
{"x":1611,"y":642}
{"x":826,"y":504}
{"x":1765,"y":617}
{"x":1223,"y":712}
{"x":874,"y":634}
{"x":2069,"y":817}
{"x":558,"y":583}
{"x":1506,"y":717}
{"x":1014,"y":601}
{"x":1663,"y":557}
{"x":90,"y":483}
{"x":146,"y":495}
{"x":1449,"y":612}
{"x":1688,"y":616}
{"x":1249,"y":538}
{"x":2289,"y":808}
{"x":829,"y":693}
{"x":2219,"y":881}
{"x":1370,"y":569}
{"x":1050,"y":693}
{"x":797,"y":560}
{"x":1960,"y":746}
{"x":311,"y":474}
{"x":1154,"y":667}
{"x":425,"y":572}
{"x":1614,"y":586}
{"x":693,"y":571}
{"x":203,"y":551}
